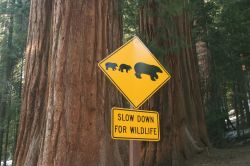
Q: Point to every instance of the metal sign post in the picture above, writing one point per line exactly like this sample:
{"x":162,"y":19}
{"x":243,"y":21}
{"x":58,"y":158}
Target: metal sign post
{"x":137,"y":74}
{"x":131,"y":153}
{"x":131,"y":148}
{"x":134,"y":153}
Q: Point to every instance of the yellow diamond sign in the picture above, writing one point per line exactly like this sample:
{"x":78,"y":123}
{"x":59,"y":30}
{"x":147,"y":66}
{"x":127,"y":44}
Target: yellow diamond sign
{"x":135,"y":71}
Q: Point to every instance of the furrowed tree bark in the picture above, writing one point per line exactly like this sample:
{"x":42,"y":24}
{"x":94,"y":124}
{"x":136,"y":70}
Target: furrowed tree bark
{"x":66,"y":99}
{"x":183,"y":130}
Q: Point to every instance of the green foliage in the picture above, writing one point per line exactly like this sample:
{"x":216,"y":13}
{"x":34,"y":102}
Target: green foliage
{"x":229,"y":38}
{"x":130,"y":18}
{"x":13,"y":32}
{"x":224,"y":25}
{"x":215,"y":124}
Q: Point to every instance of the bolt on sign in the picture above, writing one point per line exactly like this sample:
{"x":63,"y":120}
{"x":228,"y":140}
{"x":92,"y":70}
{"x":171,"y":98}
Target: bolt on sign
{"x":127,"y":124}
{"x":135,"y":71}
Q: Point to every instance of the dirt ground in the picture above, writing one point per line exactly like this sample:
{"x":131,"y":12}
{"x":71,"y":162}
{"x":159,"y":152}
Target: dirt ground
{"x":236,"y":156}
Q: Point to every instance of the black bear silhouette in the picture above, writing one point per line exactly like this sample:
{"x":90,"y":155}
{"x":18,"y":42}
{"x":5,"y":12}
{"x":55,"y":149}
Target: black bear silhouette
{"x":111,"y":65}
{"x":124,"y":67}
{"x":143,"y":68}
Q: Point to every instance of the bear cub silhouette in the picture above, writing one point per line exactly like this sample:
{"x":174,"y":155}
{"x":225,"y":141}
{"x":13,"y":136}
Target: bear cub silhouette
{"x":124,"y":67}
{"x":111,"y":65}
{"x":143,"y":68}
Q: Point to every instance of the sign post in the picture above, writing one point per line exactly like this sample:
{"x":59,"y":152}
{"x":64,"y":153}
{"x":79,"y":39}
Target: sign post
{"x":137,"y":74}
{"x":131,"y":124}
{"x":131,"y":149}
{"x":131,"y":153}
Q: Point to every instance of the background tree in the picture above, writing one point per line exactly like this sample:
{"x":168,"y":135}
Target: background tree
{"x":166,"y":25}
{"x":227,"y":36}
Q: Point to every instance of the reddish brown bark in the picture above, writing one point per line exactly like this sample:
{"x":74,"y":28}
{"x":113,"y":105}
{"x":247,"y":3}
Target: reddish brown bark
{"x":66,"y":99}
{"x":183,"y":131}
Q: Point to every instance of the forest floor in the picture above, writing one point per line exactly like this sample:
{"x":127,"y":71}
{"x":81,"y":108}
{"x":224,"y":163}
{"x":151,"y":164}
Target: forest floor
{"x":233,"y":156}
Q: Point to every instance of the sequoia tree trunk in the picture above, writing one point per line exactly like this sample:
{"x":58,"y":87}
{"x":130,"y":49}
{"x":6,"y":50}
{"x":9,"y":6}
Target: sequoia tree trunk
{"x":66,"y":99}
{"x":183,"y":130}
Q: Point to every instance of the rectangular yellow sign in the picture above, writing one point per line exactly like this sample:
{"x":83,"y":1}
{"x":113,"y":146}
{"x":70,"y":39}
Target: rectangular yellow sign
{"x":129,"y":124}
